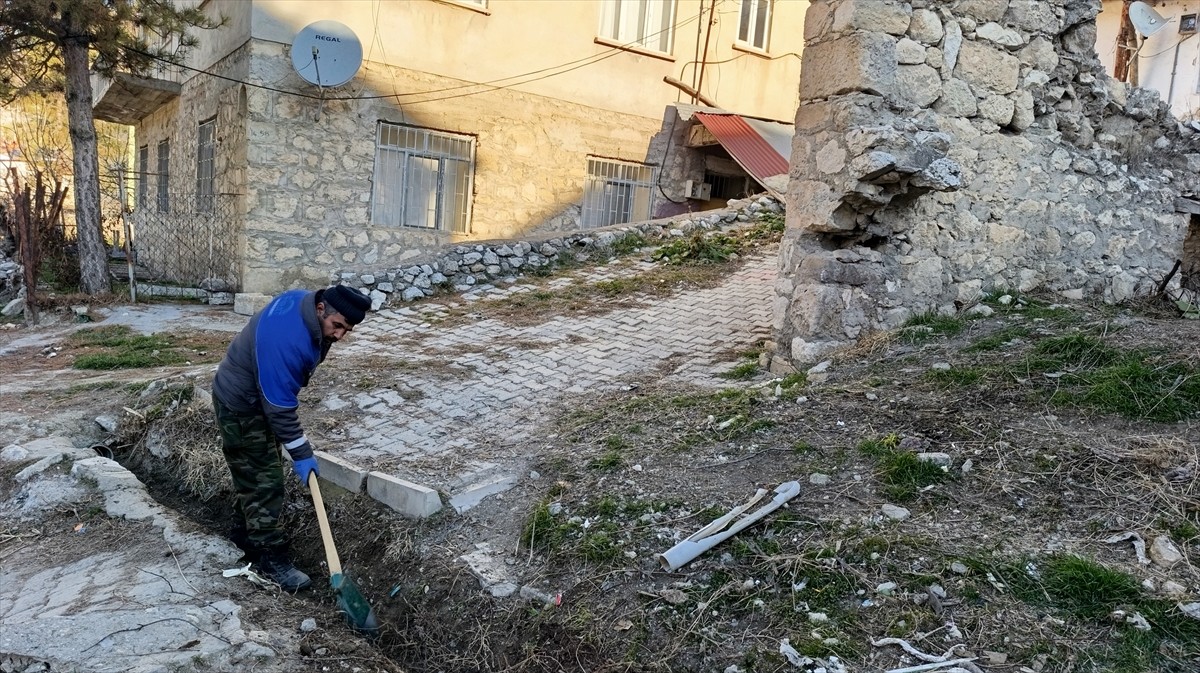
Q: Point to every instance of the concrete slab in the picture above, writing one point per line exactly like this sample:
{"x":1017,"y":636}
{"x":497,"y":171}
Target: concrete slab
{"x":403,"y":496}
{"x":474,"y":494}
{"x":341,"y":472}
{"x":249,"y":303}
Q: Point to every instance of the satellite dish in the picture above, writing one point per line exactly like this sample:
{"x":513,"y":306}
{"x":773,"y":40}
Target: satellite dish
{"x":1145,"y":19}
{"x":326,"y":53}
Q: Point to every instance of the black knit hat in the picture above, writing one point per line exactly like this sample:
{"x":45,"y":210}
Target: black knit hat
{"x":351,"y":303}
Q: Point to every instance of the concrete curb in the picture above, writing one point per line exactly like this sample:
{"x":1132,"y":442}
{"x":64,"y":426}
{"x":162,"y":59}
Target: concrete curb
{"x":406,"y":497}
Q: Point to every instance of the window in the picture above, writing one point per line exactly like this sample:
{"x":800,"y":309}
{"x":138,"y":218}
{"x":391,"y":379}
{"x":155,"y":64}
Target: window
{"x":204,"y":166}
{"x":647,"y":23}
{"x":164,"y":176}
{"x":754,"y":26}
{"x":422,"y":179}
{"x":616,"y":192}
{"x":143,"y":175}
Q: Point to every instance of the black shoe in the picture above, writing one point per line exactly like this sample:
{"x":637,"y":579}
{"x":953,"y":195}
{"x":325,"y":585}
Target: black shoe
{"x":241,"y":538}
{"x":278,"y":568}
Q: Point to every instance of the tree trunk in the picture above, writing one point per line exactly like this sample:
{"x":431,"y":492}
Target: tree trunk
{"x":93,"y":257}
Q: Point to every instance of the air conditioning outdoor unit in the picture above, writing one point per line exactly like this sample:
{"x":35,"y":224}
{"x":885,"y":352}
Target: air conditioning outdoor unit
{"x":701,"y":191}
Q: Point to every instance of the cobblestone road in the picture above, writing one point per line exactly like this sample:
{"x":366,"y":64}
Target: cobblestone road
{"x":473,"y":394}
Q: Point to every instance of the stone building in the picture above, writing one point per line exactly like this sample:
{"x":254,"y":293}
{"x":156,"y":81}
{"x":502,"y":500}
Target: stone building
{"x":469,"y":120}
{"x":946,"y":149}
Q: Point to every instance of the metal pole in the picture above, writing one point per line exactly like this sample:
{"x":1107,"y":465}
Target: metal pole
{"x":128,"y":235}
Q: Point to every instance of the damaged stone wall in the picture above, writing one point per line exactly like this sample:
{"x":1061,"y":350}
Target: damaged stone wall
{"x":947,"y":149}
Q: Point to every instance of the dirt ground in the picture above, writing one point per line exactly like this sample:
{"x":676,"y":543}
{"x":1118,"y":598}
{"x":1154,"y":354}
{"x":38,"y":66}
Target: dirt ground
{"x":1062,"y":427}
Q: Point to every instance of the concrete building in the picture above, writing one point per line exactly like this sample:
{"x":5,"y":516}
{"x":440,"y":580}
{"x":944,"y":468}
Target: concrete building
{"x":468,"y":120}
{"x":1169,"y":60}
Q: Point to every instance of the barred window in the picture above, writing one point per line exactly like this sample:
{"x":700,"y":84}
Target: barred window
{"x":205,"y":153}
{"x":647,"y":23}
{"x":616,"y":192}
{"x":143,"y":175}
{"x":422,"y":179}
{"x":164,"y":176}
{"x":754,"y":24}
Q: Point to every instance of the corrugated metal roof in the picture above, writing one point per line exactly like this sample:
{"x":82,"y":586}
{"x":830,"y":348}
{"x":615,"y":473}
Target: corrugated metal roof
{"x":746,"y":145}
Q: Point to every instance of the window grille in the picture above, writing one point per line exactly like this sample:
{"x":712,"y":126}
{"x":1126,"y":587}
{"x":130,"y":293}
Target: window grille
{"x":647,"y":23}
{"x":422,"y":179}
{"x":164,"y":176}
{"x":727,"y":186}
{"x":143,"y":175}
{"x":754,"y":26}
{"x":205,"y":154}
{"x":616,"y":192}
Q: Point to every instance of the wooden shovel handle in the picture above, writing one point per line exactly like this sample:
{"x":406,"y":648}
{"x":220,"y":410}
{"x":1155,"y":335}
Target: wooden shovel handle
{"x":331,"y":555}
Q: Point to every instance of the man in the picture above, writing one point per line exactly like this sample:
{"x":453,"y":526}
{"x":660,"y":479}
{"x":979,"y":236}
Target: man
{"x":254,"y":394}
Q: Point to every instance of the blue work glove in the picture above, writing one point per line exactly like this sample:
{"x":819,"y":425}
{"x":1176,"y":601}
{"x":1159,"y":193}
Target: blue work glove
{"x":303,"y":467}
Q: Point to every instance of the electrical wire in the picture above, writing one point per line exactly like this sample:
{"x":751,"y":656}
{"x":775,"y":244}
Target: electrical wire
{"x":577,"y":64}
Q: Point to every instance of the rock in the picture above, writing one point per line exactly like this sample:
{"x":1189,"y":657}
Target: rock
{"x":941,"y":366}
{"x":926,"y":26}
{"x":967,"y":466}
{"x":936,"y":457}
{"x":873,"y":15}
{"x":818,"y":617}
{"x":1171,"y":588}
{"x":895,"y":512}
{"x":959,"y":568}
{"x":13,"y":307}
{"x":1023,"y":112}
{"x":909,"y":52}
{"x":412,"y":294}
{"x":819,"y":368}
{"x":998,"y":109}
{"x":921,"y":85}
{"x":886,"y":589}
{"x":818,"y":479}
{"x":1164,"y":553}
{"x":957,"y":99}
{"x":308,"y":625}
{"x":951,"y":47}
{"x":983,"y":10}
{"x":987,"y":68}
{"x":13,"y":453}
{"x":981,"y":310}
{"x":1005,"y":37}
{"x":107,"y":422}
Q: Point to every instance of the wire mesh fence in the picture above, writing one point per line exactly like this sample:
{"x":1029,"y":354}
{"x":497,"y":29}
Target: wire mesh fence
{"x":187,"y":240}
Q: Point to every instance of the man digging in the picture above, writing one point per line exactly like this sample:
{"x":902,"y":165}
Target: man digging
{"x":254,"y":394}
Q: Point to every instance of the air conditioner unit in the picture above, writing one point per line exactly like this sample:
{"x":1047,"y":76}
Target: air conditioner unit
{"x":701,"y":191}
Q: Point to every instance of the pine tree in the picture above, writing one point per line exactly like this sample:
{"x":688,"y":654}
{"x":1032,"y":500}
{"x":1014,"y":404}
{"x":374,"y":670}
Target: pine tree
{"x":54,"y":45}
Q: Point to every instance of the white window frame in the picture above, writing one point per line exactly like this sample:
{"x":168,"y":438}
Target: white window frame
{"x":750,"y":34}
{"x":649,"y":24}
{"x":414,"y":163}
{"x":617,"y":192}
{"x":206,"y":154}
{"x":143,"y":176}
{"x":163,"y":169}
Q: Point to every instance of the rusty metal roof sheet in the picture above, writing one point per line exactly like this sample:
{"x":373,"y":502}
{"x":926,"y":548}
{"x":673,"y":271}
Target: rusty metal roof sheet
{"x":753,"y":148}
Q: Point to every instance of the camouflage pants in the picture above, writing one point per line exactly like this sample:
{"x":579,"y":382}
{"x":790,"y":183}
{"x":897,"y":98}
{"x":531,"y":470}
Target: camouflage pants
{"x":257,"y":470}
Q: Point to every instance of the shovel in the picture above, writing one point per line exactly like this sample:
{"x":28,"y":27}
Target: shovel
{"x":351,"y":602}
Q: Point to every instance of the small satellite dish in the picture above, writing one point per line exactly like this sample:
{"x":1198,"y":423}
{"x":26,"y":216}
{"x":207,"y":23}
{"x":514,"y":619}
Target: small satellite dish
{"x":1145,"y":19}
{"x":326,"y":53}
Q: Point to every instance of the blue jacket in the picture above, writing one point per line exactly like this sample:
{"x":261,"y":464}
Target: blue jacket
{"x":268,"y":363}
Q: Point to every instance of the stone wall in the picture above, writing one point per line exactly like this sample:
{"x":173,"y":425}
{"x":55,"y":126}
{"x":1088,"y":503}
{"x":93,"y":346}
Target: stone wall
{"x":461,"y":268}
{"x":311,"y":166}
{"x":947,"y":149}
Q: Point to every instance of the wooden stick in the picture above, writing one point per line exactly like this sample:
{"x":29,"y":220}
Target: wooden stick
{"x":331,"y":555}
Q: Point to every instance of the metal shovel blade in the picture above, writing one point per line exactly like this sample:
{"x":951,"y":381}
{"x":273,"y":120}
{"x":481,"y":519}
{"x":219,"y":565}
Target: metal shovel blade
{"x":357,"y":610}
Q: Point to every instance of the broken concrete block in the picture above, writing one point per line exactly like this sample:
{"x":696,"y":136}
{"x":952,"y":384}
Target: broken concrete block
{"x":403,"y":496}
{"x":249,"y":303}
{"x":341,"y":472}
